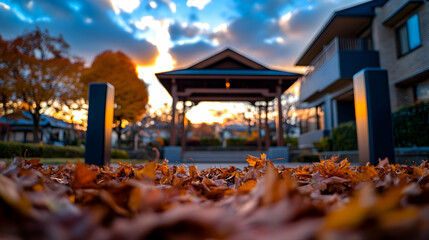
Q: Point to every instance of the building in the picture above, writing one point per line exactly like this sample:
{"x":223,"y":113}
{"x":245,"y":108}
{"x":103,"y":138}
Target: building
{"x":51,"y":130}
{"x":391,"y":34}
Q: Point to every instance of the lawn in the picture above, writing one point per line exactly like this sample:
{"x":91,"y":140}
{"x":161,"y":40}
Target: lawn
{"x":58,"y":161}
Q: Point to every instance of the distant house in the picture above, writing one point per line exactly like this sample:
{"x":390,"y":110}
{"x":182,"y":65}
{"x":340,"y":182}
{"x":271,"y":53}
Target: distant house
{"x":391,"y":34}
{"x":52,"y":130}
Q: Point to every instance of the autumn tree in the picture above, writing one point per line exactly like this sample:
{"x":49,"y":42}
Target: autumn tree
{"x":204,"y":130}
{"x":44,"y":74}
{"x":131,"y":94}
{"x":8,"y":57}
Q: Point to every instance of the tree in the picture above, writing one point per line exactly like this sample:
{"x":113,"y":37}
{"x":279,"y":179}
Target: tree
{"x":8,"y":56}
{"x":204,"y":131}
{"x":131,"y":94}
{"x":289,"y":102}
{"x":44,"y":74}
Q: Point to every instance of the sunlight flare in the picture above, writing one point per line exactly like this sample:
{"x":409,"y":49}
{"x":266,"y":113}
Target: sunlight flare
{"x":125,"y":5}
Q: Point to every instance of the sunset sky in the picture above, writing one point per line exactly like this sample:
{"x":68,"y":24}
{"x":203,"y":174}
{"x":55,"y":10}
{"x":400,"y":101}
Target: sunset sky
{"x":161,"y":35}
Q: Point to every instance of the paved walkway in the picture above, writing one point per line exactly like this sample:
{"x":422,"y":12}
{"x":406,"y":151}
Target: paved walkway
{"x":218,"y":156}
{"x":237,"y":165}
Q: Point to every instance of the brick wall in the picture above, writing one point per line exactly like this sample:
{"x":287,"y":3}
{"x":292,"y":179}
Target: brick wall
{"x":407,"y":65}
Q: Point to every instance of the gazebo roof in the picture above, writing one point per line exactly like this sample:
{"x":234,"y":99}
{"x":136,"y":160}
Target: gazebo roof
{"x":227,"y":76}
{"x":230,"y":72}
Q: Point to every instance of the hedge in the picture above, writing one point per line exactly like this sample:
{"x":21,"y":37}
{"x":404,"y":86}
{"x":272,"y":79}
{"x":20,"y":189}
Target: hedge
{"x":307,"y":158}
{"x":344,"y":137}
{"x":210,"y":142}
{"x":12,"y":149}
{"x":410,"y":128}
{"x":291,"y":141}
{"x":411,"y":125}
{"x":232,"y":142}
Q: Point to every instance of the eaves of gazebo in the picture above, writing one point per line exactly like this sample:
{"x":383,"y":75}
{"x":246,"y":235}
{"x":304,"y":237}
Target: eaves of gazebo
{"x":226,"y":76}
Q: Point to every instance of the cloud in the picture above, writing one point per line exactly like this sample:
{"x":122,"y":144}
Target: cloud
{"x":200,"y":4}
{"x":180,"y":31}
{"x":272,"y":32}
{"x":187,"y":54}
{"x":88,"y":27}
{"x":128,"y":6}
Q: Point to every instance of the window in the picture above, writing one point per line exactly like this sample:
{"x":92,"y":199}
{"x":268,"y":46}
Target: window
{"x":422,"y":91}
{"x":320,"y":115}
{"x":408,"y":35}
{"x":311,"y":119}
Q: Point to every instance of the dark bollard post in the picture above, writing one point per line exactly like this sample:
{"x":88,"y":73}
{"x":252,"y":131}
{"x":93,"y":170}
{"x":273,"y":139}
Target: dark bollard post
{"x":100,"y":119}
{"x":373,"y":116}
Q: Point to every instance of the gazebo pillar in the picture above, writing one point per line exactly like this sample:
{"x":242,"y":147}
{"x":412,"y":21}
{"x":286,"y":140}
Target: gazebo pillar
{"x":267,"y":128}
{"x":279,"y":127}
{"x":259,"y":140}
{"x":183,"y":126}
{"x":173,"y":134}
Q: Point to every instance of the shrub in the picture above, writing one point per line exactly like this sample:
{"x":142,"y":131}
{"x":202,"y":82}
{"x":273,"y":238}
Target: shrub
{"x":306,"y":157}
{"x":344,"y":137}
{"x":121,"y":154}
{"x":193,"y":142}
{"x":210,"y":142}
{"x":325,"y":144}
{"x":291,"y":141}
{"x":251,"y":143}
{"x":411,"y":125}
{"x":12,"y":149}
{"x":231,"y":142}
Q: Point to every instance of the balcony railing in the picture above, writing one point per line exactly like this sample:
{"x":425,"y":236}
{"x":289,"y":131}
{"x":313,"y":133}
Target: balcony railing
{"x":341,"y":44}
{"x":340,"y":59}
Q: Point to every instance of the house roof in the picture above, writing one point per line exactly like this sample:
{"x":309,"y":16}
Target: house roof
{"x":349,"y":22}
{"x":26,"y":120}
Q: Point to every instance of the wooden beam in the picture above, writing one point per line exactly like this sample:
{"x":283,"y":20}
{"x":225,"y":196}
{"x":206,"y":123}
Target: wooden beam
{"x":279,"y":128}
{"x":189,"y":91}
{"x":183,"y":129}
{"x":173,"y":135}
{"x":226,"y":98}
{"x":259,"y":140}
{"x":267,"y":128}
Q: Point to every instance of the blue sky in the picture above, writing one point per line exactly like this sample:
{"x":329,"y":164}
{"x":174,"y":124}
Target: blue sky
{"x":161,"y":35}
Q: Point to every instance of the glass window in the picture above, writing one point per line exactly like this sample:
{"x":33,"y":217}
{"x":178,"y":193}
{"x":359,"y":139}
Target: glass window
{"x":422,"y":91}
{"x":403,"y":40}
{"x":320,"y":117}
{"x":308,"y":120}
{"x":408,"y":35}
{"x":413,"y":32}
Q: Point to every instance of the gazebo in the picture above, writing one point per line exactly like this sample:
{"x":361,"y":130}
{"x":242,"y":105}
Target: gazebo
{"x":227,"y":76}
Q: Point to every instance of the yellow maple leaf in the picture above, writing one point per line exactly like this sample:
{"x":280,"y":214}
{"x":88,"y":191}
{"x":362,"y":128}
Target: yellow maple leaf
{"x":149,"y":171}
{"x":253,"y":161}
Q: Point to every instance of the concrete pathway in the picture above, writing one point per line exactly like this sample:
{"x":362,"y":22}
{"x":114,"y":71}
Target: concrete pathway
{"x":202,"y":166}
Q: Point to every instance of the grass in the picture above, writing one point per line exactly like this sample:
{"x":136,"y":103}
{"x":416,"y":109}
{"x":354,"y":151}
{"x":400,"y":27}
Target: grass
{"x":59,"y":161}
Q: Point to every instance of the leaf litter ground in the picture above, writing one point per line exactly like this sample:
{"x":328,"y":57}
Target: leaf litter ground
{"x":325,"y":200}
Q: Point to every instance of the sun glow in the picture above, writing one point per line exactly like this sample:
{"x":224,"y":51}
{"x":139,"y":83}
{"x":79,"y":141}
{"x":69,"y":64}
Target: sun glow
{"x":164,"y":62}
{"x":125,"y":5}
{"x":217,"y":112}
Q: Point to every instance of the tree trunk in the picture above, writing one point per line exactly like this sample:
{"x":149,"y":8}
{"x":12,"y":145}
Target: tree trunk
{"x":36,"y":120}
{"x":4,"y":101}
{"x":118,"y":130}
